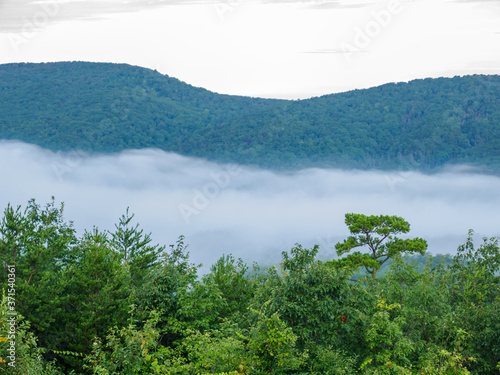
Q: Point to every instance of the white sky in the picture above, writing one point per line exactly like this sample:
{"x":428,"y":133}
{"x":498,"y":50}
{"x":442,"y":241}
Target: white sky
{"x":286,"y":49}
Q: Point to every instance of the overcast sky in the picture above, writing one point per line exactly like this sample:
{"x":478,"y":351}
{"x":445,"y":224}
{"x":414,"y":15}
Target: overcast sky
{"x":267,"y":48}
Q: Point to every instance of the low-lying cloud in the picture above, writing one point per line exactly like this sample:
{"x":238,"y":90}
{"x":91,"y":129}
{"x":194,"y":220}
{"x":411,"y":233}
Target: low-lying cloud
{"x":252,"y":213}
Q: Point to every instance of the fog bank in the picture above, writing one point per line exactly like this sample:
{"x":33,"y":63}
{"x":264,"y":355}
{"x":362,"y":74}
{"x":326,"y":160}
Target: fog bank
{"x":251,"y":213}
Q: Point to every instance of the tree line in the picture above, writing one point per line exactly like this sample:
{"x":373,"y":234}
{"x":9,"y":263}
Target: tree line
{"x":94,"y":107}
{"x":112,"y":302}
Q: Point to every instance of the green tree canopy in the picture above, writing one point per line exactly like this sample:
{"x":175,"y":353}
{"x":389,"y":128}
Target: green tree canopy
{"x":378,"y":233}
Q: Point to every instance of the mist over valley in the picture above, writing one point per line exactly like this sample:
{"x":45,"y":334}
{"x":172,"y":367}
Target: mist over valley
{"x":250,"y":212}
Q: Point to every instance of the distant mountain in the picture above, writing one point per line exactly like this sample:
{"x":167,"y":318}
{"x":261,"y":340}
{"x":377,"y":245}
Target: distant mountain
{"x":97,"y":107}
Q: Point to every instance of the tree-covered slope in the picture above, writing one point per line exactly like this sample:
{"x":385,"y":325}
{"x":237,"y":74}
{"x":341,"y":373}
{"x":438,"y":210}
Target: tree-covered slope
{"x":423,"y":124}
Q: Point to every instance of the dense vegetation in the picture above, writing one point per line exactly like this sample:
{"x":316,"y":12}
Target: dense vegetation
{"x":114,"y":303}
{"x":423,"y":124}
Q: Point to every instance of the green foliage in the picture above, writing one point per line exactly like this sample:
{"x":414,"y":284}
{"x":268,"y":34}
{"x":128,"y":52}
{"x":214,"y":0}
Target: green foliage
{"x":200,"y":306}
{"x":422,"y":124}
{"x":445,"y":362}
{"x":26,"y":358}
{"x":236,"y":288}
{"x":475,"y":288}
{"x":164,"y":286}
{"x":135,"y":249}
{"x":389,"y":346}
{"x":223,"y":293}
{"x":307,"y":296}
{"x":300,"y":259}
{"x":317,"y":303}
{"x":214,"y":351}
{"x":98,"y":287}
{"x":301,"y":317}
{"x":376,"y":232}
{"x":330,"y":361}
{"x":126,"y":350}
{"x":272,"y":344}
{"x":38,"y":242}
{"x":424,"y":298}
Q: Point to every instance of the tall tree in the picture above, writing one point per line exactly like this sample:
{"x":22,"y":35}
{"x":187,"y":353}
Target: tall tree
{"x":135,"y":248}
{"x":378,"y":234}
{"x":98,"y":290}
{"x":37,"y":242}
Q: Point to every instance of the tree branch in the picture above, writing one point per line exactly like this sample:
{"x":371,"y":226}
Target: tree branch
{"x":385,"y":260}
{"x":382,"y":239}
{"x":32,"y":272}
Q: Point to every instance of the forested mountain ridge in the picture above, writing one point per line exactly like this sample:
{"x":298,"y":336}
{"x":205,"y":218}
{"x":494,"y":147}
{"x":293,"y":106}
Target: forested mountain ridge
{"x":98,"y":107}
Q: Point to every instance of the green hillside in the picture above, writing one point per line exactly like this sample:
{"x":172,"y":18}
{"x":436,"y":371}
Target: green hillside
{"x":96,"y":107}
